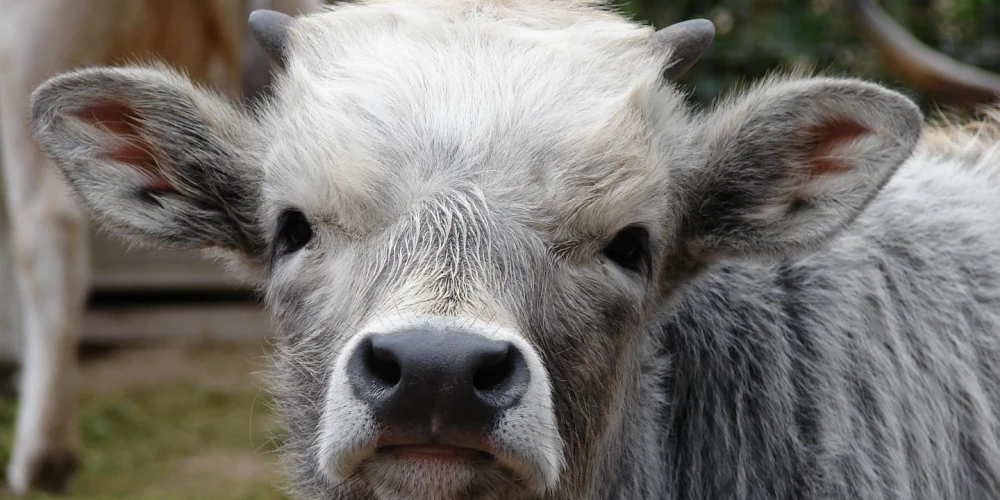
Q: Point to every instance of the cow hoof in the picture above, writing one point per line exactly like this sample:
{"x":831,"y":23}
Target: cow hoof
{"x":51,"y":474}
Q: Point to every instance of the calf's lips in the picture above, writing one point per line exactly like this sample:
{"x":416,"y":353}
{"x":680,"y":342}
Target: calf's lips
{"x":434,"y":446}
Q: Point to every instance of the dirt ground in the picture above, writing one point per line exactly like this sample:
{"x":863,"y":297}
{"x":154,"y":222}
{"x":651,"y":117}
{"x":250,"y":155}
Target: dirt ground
{"x":171,"y":422}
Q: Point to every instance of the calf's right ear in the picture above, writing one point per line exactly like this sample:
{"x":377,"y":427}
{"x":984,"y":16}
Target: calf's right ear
{"x":153,"y":159}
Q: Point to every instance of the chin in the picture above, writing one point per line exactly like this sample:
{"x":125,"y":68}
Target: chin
{"x":436,"y":473}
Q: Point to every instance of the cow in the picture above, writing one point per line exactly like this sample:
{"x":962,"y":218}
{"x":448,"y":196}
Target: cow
{"x":507,"y":258}
{"x":44,"y":247}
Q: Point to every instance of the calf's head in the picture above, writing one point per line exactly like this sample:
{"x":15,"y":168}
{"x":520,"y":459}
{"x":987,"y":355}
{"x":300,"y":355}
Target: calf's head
{"x":464,"y":216}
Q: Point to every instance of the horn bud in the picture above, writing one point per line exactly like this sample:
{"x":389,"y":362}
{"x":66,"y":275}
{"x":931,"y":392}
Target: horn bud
{"x":270,"y":29}
{"x":688,"y":40}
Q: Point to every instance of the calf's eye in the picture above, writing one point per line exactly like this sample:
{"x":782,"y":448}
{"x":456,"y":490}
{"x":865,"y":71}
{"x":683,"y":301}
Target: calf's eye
{"x":294,"y":231}
{"x":630,"y":249}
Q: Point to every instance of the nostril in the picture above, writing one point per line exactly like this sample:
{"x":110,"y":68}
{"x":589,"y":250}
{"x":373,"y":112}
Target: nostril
{"x":382,"y":365}
{"x":375,"y":370}
{"x":501,"y":377}
{"x":405,"y":376}
{"x":493,"y":372}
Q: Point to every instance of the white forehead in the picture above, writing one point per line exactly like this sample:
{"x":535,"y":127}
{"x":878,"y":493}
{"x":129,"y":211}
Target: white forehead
{"x":382,"y":95}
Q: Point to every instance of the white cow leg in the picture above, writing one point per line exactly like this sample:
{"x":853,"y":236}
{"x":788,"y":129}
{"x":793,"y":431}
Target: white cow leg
{"x":11,"y":341}
{"x":51,"y":261}
{"x":49,"y":243}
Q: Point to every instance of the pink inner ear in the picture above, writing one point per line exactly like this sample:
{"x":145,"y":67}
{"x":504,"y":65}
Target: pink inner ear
{"x":827,"y":138}
{"x":128,"y":147}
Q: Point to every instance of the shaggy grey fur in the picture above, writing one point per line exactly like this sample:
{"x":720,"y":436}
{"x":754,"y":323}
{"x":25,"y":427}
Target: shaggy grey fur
{"x":818,"y":315}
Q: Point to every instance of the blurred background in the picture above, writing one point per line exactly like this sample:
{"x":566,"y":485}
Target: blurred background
{"x":753,"y":37}
{"x":170,"y":406}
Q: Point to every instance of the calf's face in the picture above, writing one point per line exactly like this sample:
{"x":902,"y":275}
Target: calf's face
{"x":463,"y":227}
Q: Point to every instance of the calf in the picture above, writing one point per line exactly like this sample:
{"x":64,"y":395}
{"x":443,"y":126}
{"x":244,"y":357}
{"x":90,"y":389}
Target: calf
{"x":508,"y":261}
{"x":44,"y":280}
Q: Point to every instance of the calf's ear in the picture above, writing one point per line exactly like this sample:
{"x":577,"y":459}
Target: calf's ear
{"x":153,"y":159}
{"x":790,"y":163}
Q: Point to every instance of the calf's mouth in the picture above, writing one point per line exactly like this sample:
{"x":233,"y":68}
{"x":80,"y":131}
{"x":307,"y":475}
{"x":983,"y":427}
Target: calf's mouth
{"x":442,"y":445}
{"x":435,"y":451}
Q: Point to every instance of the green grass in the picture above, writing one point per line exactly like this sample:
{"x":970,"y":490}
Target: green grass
{"x":169,"y":441}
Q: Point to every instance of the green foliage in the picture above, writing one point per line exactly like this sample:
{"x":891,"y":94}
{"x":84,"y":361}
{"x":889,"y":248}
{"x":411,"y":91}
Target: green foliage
{"x":757,"y":37}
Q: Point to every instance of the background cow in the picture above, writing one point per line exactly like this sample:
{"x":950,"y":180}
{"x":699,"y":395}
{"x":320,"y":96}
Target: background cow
{"x":45,"y":280}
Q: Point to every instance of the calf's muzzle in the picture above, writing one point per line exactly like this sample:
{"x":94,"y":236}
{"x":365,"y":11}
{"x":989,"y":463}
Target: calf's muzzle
{"x":437,"y":387}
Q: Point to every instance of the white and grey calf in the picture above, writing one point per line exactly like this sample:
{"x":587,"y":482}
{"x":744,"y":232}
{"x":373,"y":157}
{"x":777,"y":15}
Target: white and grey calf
{"x":44,"y":257}
{"x":508,"y":261}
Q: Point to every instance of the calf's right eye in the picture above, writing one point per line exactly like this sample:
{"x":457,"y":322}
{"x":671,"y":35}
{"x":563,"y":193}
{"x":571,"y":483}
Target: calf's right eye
{"x":294,"y":231}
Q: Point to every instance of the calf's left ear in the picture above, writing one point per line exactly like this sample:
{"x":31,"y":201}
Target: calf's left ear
{"x":790,"y":163}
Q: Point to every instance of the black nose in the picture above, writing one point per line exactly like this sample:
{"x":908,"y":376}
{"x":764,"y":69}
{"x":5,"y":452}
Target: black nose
{"x":429,"y":381}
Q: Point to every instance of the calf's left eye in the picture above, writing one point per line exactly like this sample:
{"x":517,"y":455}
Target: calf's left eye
{"x":630,"y":249}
